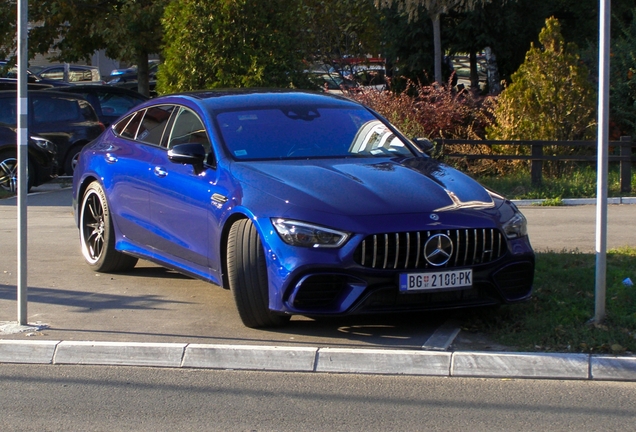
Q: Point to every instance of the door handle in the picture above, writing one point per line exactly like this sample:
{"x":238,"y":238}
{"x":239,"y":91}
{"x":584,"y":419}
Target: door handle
{"x":110,"y":158}
{"x":160,"y":171}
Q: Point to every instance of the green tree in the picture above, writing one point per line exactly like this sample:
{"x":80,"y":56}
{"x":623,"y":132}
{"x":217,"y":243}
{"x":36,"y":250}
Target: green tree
{"x":434,"y":9}
{"x":8,"y":10}
{"x":128,"y":30}
{"x":231,"y":43}
{"x":623,"y":80}
{"x":550,"y":97}
{"x":335,"y":29}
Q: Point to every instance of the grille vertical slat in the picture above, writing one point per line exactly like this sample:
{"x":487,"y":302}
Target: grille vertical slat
{"x":408,"y":250}
{"x":364,"y":252}
{"x":394,"y":251}
{"x":386,"y":249}
{"x":375,"y":250}
{"x":419,"y":248}
{"x":466,"y":248}
{"x":457,"y":246}
{"x":397,"y":250}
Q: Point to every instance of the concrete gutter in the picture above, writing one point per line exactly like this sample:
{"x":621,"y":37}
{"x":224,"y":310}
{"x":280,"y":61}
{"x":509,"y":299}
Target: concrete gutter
{"x":330,"y":360}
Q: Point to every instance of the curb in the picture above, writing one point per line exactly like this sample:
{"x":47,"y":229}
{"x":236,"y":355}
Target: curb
{"x":323,"y":360}
{"x":576,"y":201}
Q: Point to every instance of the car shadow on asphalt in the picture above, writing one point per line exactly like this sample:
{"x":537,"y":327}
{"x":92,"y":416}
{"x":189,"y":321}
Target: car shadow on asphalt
{"x":87,"y":301}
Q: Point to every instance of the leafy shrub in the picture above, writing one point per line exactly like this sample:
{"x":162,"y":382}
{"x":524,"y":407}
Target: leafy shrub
{"x":437,"y":112}
{"x":550,"y":99}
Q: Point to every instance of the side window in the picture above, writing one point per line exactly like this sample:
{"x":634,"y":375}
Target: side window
{"x":117,"y":104}
{"x":129,"y":130}
{"x":54,"y":74}
{"x":51,"y":110}
{"x":154,"y":123}
{"x":79,"y":75}
{"x":8,"y":111}
{"x":188,"y":128}
{"x":121,"y":125}
{"x":87,"y":111}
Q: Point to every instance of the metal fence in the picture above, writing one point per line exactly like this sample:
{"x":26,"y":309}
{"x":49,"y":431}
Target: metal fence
{"x":620,"y":152}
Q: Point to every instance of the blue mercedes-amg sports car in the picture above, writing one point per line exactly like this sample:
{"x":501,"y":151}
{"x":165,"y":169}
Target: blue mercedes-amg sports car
{"x":299,"y":203}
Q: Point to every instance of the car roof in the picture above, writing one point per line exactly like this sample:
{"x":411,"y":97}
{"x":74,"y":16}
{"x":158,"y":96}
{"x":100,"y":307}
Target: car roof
{"x":89,"y":88}
{"x":49,"y":93}
{"x":228,"y":99}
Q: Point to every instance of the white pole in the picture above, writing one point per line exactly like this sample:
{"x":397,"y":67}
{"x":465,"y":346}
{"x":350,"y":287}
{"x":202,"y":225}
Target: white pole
{"x":603,"y":146}
{"x":23,"y":137}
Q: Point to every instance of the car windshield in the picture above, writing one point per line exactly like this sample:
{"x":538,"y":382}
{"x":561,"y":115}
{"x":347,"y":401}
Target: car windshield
{"x":307,"y":132}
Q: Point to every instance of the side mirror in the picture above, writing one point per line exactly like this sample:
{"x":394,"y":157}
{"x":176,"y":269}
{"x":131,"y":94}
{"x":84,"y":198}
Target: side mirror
{"x":188,"y":154}
{"x":424,"y":144}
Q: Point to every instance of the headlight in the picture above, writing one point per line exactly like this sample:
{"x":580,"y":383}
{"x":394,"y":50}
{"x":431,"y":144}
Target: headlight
{"x":44,"y":144}
{"x":308,"y":235}
{"x":516,"y":226}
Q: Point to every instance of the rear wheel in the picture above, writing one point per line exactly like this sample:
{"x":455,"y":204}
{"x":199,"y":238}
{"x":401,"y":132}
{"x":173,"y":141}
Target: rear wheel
{"x":247,"y":274}
{"x":97,"y":236}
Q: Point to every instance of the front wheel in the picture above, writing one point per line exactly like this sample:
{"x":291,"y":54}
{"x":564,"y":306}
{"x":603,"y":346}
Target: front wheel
{"x":247,"y":275}
{"x":97,"y":236}
{"x":9,"y":173}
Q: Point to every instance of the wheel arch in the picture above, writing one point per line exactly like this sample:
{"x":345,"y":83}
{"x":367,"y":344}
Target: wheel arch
{"x":81,"y":190}
{"x":81,"y":143}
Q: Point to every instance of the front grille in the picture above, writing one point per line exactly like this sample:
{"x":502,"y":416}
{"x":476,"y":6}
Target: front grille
{"x":396,"y":251}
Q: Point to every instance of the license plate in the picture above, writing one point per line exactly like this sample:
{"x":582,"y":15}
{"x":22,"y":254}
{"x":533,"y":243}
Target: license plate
{"x":436,"y":280}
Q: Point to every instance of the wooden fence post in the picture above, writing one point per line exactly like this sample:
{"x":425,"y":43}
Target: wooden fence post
{"x":626,"y":164}
{"x":536,"y":164}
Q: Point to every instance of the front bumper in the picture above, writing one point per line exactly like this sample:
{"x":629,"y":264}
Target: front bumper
{"x":358,"y":290}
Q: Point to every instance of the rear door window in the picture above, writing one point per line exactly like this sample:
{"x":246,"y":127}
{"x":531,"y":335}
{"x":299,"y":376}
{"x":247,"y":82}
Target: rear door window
{"x":53,"y":110}
{"x":154,"y":123}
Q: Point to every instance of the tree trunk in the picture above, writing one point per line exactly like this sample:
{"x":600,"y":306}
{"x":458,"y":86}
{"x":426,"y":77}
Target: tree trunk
{"x":494,"y":85}
{"x":143,"y":81}
{"x":474,"y":73}
{"x":437,"y":43}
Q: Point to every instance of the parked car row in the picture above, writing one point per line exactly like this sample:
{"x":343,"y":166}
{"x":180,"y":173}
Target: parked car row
{"x":64,"y":117}
{"x":59,"y":74}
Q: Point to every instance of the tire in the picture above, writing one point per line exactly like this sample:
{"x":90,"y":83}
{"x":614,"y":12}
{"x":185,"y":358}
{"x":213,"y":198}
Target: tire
{"x":9,"y":173}
{"x":247,"y":275}
{"x":97,"y":236}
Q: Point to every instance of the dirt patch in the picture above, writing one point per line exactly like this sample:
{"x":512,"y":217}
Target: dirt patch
{"x":475,"y":341}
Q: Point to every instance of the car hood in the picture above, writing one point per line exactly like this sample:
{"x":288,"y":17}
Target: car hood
{"x":365,"y":186}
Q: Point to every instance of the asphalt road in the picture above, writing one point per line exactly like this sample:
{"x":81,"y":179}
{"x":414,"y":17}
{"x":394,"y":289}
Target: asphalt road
{"x":90,"y":398}
{"x":152,"y":304}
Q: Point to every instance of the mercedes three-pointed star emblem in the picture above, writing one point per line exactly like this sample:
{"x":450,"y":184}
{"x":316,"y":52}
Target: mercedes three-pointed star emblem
{"x":438,"y":250}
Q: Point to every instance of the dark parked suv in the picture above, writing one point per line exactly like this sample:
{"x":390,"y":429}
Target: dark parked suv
{"x":64,"y":118}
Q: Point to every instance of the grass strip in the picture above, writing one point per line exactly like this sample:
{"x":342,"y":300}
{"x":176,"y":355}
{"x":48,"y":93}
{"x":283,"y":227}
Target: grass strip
{"x":558,"y":317}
